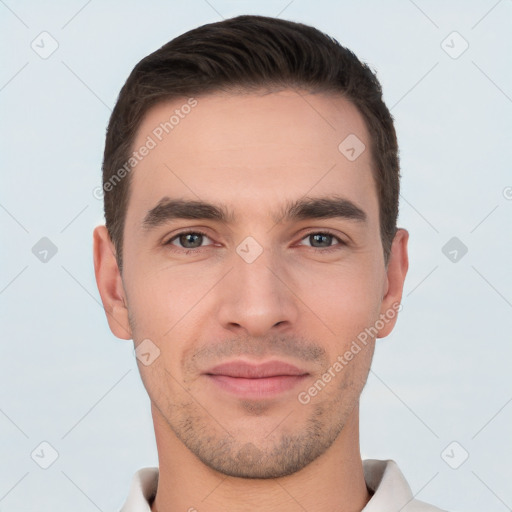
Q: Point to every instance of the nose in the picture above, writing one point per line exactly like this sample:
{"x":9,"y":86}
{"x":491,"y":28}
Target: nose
{"x":256,"y":298}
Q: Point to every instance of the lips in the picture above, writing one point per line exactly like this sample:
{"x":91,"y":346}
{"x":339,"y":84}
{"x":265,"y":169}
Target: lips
{"x":255,"y":381}
{"x":242,"y":369}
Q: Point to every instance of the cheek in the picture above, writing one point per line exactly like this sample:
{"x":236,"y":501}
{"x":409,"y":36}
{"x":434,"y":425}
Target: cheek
{"x":160,"y":299}
{"x":346,"y":295}
{"x":166,"y":307}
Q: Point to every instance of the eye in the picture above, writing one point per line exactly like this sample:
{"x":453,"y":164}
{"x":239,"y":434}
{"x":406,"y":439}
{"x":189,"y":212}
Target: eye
{"x":195,"y":240}
{"x":323,"y":240}
{"x":188,"y":240}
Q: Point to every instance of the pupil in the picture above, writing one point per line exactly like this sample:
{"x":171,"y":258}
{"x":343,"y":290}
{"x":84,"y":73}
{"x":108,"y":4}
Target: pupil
{"x":318,"y":237}
{"x":191,"y":240}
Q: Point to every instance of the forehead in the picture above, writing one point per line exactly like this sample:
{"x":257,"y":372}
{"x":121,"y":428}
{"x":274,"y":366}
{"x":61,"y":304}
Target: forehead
{"x":251,"y":151}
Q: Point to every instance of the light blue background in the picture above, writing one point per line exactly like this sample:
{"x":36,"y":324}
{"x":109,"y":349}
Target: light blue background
{"x":444,"y":373}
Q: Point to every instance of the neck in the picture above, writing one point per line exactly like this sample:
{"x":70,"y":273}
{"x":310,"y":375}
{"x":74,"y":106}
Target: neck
{"x":334,"y":482}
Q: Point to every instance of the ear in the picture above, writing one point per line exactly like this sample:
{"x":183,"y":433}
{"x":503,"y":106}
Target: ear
{"x":398,"y":265}
{"x":110,"y":284}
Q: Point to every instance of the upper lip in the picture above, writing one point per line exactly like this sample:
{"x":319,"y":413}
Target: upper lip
{"x":243,"y":369}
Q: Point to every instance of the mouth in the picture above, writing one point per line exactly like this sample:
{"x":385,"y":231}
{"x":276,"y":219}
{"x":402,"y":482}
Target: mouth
{"x":256,"y":381}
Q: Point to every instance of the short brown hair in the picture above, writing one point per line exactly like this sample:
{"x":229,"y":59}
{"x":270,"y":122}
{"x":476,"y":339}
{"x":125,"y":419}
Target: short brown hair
{"x":249,"y":53}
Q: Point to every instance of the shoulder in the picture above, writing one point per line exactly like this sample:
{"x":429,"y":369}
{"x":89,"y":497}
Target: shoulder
{"x":421,"y":506}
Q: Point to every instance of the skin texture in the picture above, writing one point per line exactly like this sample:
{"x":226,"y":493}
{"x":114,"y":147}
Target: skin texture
{"x":296,"y":302}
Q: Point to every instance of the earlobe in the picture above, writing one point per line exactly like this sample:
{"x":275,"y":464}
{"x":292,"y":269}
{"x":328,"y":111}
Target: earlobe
{"x":395,"y":277}
{"x":110,"y":285}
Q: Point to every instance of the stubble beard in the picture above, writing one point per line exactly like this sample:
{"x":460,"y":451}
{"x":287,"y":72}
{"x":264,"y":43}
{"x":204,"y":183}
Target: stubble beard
{"x":278,"y":454}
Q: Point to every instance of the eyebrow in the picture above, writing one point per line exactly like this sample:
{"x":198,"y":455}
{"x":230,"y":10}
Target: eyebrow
{"x":330,"y":207}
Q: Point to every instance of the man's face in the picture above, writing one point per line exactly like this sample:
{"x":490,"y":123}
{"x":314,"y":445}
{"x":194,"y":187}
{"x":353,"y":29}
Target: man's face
{"x":264,"y":284}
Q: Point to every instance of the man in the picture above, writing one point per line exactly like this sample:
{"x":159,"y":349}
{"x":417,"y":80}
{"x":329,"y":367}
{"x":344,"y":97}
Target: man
{"x":251,"y":252}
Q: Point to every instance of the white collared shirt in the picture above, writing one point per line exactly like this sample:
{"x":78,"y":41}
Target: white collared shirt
{"x":383,"y":477}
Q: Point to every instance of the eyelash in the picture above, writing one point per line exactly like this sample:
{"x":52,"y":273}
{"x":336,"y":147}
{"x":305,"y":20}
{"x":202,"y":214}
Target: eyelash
{"x":335,"y":247}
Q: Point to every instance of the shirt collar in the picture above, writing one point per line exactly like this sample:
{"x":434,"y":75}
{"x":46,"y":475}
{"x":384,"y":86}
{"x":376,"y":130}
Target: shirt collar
{"x":383,"y":477}
{"x":391,"y":490}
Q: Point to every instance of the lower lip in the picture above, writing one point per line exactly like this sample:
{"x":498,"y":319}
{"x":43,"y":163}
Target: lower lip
{"x":265,"y":387}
